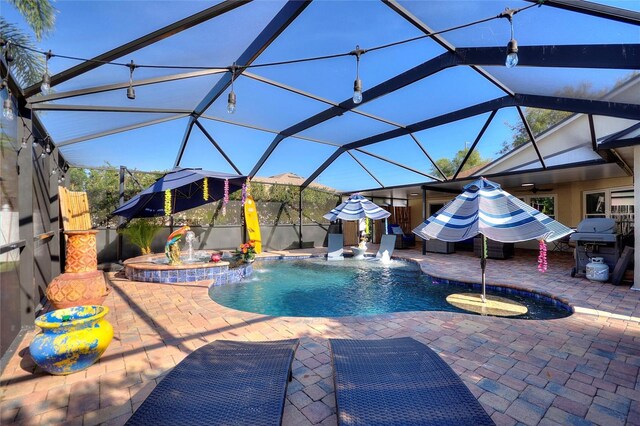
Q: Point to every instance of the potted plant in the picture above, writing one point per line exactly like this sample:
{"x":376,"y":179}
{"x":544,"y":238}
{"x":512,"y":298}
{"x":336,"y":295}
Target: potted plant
{"x":141,"y":233}
{"x":247,"y":251}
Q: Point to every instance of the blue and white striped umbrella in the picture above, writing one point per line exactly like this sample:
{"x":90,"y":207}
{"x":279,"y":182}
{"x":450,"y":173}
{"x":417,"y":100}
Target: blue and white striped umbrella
{"x":484,"y":208}
{"x":357,"y":207}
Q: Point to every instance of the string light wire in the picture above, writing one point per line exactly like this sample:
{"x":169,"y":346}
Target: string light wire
{"x":235,"y":67}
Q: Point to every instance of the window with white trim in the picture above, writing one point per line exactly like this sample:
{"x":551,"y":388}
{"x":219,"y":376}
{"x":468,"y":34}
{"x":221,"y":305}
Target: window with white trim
{"x":543,"y":203}
{"x":616,"y":203}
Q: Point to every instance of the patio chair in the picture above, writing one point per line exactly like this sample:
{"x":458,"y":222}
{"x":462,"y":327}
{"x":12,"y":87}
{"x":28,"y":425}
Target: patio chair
{"x":223,"y":383}
{"x":403,"y":241}
{"x":399,"y":382}
{"x":336,"y":247}
{"x":495,"y":249}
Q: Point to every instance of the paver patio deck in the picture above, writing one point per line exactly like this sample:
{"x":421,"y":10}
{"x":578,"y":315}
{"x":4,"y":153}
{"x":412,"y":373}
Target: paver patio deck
{"x":577,"y":370}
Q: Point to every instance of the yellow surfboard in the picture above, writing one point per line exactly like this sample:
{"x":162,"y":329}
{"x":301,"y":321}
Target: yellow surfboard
{"x":253,"y":226}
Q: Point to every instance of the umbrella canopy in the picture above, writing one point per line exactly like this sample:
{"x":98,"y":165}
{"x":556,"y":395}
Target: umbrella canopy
{"x":484,"y":208}
{"x":187,"y":192}
{"x":357,"y":207}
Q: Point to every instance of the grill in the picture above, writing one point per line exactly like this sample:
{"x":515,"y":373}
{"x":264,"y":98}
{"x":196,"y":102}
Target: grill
{"x":595,"y":237}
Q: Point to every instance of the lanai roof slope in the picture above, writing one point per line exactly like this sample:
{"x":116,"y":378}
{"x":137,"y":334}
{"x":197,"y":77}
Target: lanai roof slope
{"x":572,"y":141}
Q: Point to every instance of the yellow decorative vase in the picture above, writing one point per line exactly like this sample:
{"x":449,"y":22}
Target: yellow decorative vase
{"x":72,"y":339}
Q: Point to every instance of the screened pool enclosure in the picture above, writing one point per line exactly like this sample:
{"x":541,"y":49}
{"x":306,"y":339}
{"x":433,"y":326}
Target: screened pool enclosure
{"x":398,"y":100}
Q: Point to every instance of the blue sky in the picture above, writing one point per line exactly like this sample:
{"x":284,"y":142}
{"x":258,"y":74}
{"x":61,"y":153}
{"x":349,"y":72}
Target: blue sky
{"x":88,"y":28}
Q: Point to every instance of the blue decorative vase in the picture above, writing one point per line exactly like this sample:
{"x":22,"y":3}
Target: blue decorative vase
{"x":72,"y":339}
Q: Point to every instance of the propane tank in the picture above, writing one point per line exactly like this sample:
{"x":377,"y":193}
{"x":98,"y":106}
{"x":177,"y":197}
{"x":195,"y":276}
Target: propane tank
{"x":597,"y":270}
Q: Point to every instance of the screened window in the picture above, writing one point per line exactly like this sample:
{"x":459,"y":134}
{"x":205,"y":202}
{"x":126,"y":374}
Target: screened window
{"x":545,"y":204}
{"x":594,"y":204}
{"x":616,"y":203}
{"x":622,"y":209}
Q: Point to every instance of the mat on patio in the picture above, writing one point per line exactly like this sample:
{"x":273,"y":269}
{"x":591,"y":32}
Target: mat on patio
{"x":399,"y":382}
{"x":223,"y":383}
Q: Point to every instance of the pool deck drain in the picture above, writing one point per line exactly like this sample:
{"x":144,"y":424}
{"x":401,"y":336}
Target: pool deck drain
{"x":492,"y":305}
{"x":575,"y":370}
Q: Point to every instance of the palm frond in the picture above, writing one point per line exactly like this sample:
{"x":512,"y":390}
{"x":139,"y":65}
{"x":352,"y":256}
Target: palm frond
{"x":39,"y":14}
{"x":27,"y":66}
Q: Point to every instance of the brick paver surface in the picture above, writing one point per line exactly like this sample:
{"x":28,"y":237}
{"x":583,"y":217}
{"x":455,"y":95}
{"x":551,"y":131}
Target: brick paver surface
{"x":577,"y":370}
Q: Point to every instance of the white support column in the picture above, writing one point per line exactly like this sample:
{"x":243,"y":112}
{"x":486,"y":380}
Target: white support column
{"x":636,"y":220}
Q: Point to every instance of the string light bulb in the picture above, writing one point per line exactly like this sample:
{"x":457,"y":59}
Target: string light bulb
{"x":47,"y":148}
{"x":131,"y":92}
{"x":45,"y":87}
{"x":8,"y":54}
{"x":7,"y":105}
{"x":231,"y":99}
{"x":357,"y":91}
{"x":231,"y":103}
{"x":512,"y":54}
{"x":512,"y":47}
{"x":357,"y":84}
{"x":23,"y":144}
{"x":7,"y":109}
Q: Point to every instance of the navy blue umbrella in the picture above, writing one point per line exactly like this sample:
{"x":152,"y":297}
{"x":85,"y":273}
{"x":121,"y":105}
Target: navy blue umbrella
{"x":186,"y":186}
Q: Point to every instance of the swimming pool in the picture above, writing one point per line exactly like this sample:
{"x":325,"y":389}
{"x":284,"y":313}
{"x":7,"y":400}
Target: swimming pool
{"x":317,"y":288}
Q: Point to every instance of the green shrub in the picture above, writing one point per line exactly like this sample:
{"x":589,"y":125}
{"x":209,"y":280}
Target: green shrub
{"x":141,"y":232}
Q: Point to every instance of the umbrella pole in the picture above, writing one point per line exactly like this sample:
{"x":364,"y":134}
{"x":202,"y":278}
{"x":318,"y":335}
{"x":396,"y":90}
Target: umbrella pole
{"x":483,"y":264}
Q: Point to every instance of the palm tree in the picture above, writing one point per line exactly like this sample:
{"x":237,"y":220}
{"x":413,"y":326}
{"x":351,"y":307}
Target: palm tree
{"x":28,"y":66}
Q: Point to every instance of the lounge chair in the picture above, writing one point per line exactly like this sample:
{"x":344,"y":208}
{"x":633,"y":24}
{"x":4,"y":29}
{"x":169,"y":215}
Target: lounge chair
{"x":387,"y":244}
{"x":223,"y":383}
{"x":403,"y":240}
{"x":399,"y":382}
{"x":336,"y":247}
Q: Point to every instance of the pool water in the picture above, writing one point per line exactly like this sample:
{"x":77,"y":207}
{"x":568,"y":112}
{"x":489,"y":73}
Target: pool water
{"x":317,"y":288}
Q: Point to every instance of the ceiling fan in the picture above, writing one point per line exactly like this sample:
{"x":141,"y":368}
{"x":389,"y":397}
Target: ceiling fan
{"x":531,"y":187}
